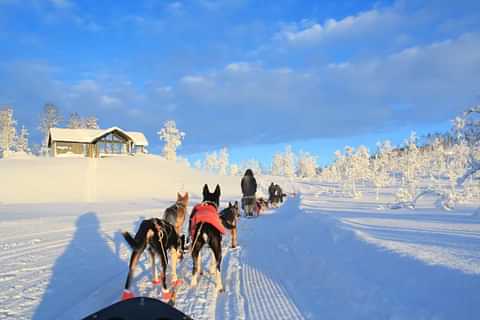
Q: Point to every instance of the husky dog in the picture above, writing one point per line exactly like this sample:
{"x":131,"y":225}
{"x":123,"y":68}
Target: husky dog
{"x":158,"y":236}
{"x":277,"y":196}
{"x":262,"y":205}
{"x":229,"y":217}
{"x":205,"y":227}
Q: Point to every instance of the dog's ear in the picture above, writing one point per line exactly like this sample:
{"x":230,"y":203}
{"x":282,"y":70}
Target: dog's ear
{"x":206,"y":192}
{"x":217,"y":190}
{"x":236,"y":204}
{"x":179,"y":196}
{"x":185,"y":197}
{"x":229,"y":204}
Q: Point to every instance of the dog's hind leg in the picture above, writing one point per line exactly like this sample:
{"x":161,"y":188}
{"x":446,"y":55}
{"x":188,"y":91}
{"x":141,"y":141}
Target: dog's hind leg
{"x":196,"y":263}
{"x":155,"y":279}
{"x":134,"y":258}
{"x":175,"y":254}
{"x":216,"y":245}
{"x":233,"y":233}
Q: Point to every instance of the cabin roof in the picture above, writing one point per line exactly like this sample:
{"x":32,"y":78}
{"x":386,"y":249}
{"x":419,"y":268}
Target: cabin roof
{"x":91,"y":135}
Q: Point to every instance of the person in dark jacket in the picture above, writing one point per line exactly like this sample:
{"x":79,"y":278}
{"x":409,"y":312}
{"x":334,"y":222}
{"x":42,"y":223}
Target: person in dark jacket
{"x":249,"y":184}
{"x":249,"y":188}
{"x":271,"y":192}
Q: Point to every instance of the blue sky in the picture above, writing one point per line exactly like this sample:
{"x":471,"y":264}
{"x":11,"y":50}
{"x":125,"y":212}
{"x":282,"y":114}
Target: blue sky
{"x":249,"y":75}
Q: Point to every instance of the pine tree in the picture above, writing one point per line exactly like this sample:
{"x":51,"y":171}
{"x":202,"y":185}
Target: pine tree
{"x":173,"y":139}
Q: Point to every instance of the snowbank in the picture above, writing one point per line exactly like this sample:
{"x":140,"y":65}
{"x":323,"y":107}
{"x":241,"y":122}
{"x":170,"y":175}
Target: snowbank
{"x":49,"y":180}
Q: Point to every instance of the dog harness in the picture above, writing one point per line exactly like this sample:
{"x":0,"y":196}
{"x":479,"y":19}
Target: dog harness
{"x":206,"y":213}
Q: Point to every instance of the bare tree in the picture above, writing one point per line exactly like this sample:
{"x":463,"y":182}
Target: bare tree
{"x":50,"y":118}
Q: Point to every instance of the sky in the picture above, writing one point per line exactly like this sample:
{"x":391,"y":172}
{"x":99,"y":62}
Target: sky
{"x":252,"y":76}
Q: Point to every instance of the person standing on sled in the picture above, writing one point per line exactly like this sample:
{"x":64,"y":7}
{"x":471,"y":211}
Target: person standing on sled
{"x":249,"y":188}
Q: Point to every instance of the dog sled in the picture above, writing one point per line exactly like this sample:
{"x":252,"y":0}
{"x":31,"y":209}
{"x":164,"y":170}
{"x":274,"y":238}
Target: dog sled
{"x":139,"y":308}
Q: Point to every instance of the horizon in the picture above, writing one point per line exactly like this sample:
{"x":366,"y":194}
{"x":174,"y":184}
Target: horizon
{"x":247,"y":76}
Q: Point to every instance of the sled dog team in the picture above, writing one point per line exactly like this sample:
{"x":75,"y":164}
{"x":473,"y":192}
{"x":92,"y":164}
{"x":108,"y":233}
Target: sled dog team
{"x":206,"y":226}
{"x":162,"y":236}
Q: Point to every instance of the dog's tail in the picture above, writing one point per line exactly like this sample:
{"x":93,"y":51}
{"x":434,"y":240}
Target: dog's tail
{"x":131,"y":241}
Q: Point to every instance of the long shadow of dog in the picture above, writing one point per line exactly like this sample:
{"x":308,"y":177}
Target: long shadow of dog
{"x":82,"y":273}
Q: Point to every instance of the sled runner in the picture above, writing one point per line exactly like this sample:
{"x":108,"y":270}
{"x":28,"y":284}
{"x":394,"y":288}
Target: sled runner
{"x":139,"y":308}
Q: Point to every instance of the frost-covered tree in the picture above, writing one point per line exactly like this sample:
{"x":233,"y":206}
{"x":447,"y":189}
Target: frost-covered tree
{"x":307,"y":165}
{"x":173,"y":139}
{"x":380,"y":165}
{"x":198,"y":164}
{"x":22,"y":141}
{"x":7,"y":131}
{"x":234,"y":169}
{"x":50,"y":118}
{"x":252,"y":164}
{"x":277,"y":165}
{"x":289,"y":162}
{"x":75,"y":121}
{"x":211,"y":162}
{"x":468,"y":124}
{"x":90,"y":123}
{"x":223,"y":161}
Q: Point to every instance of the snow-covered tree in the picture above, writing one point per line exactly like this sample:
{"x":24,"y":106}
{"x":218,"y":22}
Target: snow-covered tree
{"x":75,"y":121}
{"x":90,"y":123}
{"x":211,"y":162}
{"x":50,"y":118}
{"x":173,"y":139}
{"x":22,"y":141}
{"x":380,"y":175}
{"x":198,"y":164}
{"x":289,"y":162}
{"x":307,"y":165}
{"x":7,"y":131}
{"x":252,"y":164}
{"x":234,"y":169}
{"x":223,"y":161}
{"x":277,"y":165}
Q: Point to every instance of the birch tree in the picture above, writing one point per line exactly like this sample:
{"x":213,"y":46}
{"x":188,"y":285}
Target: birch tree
{"x":7,"y":131}
{"x":50,"y":118}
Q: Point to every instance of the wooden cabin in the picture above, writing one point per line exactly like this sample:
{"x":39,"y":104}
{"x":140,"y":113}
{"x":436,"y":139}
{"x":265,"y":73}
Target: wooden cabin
{"x":95,"y":143}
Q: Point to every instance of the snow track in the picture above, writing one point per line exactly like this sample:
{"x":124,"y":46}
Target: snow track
{"x":266,"y":299}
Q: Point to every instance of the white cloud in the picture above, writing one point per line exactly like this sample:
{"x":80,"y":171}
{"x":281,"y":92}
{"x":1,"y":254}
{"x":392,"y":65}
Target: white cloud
{"x":239,"y":67}
{"x":193,"y":80}
{"x":376,"y":21}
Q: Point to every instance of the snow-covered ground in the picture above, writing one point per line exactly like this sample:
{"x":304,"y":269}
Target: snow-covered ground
{"x":319,"y":256}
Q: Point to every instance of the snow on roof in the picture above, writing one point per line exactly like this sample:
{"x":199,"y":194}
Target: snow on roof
{"x":90,"y":135}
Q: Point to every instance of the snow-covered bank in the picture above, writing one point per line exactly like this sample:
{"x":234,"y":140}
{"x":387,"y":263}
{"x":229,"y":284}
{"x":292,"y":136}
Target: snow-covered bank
{"x":74,"y":180}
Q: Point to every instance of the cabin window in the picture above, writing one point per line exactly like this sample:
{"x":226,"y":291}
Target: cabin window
{"x":113,"y":143}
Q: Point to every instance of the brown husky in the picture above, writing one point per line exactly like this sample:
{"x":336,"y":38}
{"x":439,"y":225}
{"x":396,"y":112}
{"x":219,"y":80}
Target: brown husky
{"x":159,"y":236}
{"x":175,"y":215}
